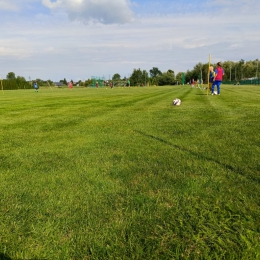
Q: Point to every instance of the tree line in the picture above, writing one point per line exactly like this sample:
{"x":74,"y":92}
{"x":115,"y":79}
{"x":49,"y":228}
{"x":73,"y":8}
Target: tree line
{"x":234,"y":72}
{"x":154,"y":77}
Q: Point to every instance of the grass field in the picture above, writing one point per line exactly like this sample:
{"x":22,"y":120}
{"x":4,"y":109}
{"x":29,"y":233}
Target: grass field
{"x":122,"y":174}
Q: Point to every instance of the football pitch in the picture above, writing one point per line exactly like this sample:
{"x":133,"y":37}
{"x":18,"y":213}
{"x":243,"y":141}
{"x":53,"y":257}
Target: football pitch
{"x":123,"y":174}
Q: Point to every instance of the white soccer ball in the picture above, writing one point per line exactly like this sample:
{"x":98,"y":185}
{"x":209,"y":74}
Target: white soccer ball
{"x":215,"y":92}
{"x":176,"y":102}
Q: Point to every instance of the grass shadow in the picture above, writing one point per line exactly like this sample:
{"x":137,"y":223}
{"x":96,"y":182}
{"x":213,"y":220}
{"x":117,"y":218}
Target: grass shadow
{"x":4,"y":257}
{"x":229,"y":167}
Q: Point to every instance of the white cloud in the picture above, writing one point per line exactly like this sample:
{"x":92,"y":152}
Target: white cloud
{"x":56,"y":48}
{"x":239,"y":7}
{"x":98,"y":11}
{"x":52,"y":5}
{"x":8,"y":5}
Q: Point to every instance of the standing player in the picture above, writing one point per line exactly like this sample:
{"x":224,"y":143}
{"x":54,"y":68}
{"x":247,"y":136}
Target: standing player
{"x":219,"y":73}
{"x":35,"y":86}
{"x":70,"y":85}
{"x":192,"y":83}
{"x":211,"y":77}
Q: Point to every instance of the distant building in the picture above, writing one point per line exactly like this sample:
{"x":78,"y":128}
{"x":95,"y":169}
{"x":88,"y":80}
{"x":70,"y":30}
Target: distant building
{"x":58,"y":84}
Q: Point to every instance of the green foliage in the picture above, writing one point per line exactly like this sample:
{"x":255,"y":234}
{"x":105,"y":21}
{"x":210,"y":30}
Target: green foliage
{"x":234,"y":71}
{"x":20,"y":79}
{"x":179,"y":77}
{"x":123,"y":174}
{"x":139,"y":78}
{"x":167,"y":78}
{"x":13,"y":82}
{"x":116,"y":77}
{"x":154,"y":72}
{"x":40,"y":82}
{"x":10,"y":76}
{"x":171,"y":72}
{"x":18,"y":83}
{"x":87,"y":82}
{"x":49,"y":82}
{"x":64,"y":81}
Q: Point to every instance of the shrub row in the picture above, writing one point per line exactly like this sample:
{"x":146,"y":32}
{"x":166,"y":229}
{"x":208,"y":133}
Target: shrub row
{"x":13,"y":84}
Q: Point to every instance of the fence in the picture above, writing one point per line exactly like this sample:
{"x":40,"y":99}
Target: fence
{"x":97,"y":81}
{"x":252,"y":81}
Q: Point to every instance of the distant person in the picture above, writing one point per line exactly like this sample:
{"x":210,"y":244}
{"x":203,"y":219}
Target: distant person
{"x":192,"y":83}
{"x":35,"y":86}
{"x":219,"y":73}
{"x":70,"y":85}
{"x":96,"y":84}
{"x":211,"y":77}
{"x":197,"y":83}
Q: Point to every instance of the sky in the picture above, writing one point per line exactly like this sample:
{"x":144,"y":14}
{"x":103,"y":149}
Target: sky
{"x":79,"y":39}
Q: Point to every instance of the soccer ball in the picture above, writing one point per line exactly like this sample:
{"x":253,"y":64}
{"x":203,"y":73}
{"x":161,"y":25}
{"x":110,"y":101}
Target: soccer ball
{"x":176,"y":102}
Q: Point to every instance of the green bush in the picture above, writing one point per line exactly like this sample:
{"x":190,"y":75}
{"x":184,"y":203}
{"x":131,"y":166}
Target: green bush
{"x":12,"y":84}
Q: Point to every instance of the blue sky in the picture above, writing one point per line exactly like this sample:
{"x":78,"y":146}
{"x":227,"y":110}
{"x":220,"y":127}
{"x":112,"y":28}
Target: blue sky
{"x":77,"y":39}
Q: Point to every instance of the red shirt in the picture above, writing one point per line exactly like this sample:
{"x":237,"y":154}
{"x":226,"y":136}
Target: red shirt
{"x":219,"y":74}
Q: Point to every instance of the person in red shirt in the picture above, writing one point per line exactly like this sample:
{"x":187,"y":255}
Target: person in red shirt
{"x":192,"y":83}
{"x":219,"y":73}
{"x":70,"y":85}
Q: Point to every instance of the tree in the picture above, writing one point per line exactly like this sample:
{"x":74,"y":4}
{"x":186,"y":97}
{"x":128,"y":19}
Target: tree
{"x":116,"y":77}
{"x":64,"y":81}
{"x":250,"y":69}
{"x":189,"y":75}
{"x":145,"y":77}
{"x":179,"y":77}
{"x":139,"y":77}
{"x":154,"y":72}
{"x":170,"y":71}
{"x":239,"y":69}
{"x":87,"y":83}
{"x":167,"y":78}
{"x":229,"y":68}
{"x":49,"y":81}
{"x":200,"y":71}
{"x":10,"y":75}
{"x":136,"y":77}
{"x":20,"y":82}
{"x":20,"y":78}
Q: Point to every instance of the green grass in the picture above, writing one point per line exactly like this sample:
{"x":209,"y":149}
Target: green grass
{"x":123,"y":174}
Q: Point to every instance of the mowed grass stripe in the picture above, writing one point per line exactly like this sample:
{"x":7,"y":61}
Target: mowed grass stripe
{"x":83,"y":178}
